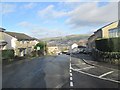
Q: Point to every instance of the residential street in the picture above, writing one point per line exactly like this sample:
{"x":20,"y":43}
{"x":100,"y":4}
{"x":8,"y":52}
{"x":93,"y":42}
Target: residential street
{"x":58,"y":72}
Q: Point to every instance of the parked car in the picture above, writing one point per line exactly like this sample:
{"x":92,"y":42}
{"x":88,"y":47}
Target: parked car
{"x":68,"y":53}
{"x":87,"y":51}
{"x":60,"y":53}
{"x":81,"y":50}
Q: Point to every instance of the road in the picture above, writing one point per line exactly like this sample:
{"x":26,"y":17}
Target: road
{"x":60,"y":71}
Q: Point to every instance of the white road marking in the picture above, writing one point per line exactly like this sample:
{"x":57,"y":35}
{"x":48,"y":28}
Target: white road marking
{"x":85,"y":68}
{"x":70,"y":74}
{"x":71,"y":78}
{"x":70,"y":64}
{"x":83,"y":63}
{"x":77,"y":69}
{"x":70,"y":67}
{"x":71,"y":84}
{"x":105,"y":74}
{"x":70,"y":58}
{"x":96,"y":76}
{"x":88,"y":67}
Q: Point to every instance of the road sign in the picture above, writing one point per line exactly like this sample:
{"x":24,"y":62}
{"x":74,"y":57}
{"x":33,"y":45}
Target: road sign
{"x":38,"y":48}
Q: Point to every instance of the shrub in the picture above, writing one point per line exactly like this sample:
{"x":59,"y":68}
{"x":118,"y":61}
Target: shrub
{"x":8,"y":54}
{"x":43,"y":47}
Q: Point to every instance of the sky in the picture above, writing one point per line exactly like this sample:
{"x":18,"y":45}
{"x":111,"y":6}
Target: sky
{"x":51,"y":19}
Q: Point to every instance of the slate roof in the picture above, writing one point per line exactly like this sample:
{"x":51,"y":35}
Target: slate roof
{"x":20,"y":36}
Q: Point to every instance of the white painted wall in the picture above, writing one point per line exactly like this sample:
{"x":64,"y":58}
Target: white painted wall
{"x":10,"y":40}
{"x":74,"y":46}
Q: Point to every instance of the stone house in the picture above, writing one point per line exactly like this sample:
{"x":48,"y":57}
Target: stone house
{"x":21,"y":43}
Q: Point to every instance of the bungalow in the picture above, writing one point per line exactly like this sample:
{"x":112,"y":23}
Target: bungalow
{"x":21,"y":43}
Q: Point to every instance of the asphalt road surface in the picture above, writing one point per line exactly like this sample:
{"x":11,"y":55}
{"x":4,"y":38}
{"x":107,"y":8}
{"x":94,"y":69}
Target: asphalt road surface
{"x":60,"y":71}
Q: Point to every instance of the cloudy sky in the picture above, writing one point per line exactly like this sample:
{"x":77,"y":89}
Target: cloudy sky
{"x":51,"y":19}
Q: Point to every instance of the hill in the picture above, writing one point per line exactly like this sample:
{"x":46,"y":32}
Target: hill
{"x":65,"y":40}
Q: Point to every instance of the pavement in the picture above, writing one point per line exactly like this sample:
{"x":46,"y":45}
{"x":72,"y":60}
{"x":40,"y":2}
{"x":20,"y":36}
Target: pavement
{"x":89,"y":60}
{"x":61,"y":71}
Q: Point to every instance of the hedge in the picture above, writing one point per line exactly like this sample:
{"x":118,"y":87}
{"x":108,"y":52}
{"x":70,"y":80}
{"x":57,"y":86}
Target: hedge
{"x":8,"y":54}
{"x":108,"y":45}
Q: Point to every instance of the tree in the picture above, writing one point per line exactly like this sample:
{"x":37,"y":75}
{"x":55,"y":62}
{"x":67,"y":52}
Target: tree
{"x":42,"y":46}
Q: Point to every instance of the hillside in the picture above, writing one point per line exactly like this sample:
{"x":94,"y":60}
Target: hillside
{"x":65,"y":40}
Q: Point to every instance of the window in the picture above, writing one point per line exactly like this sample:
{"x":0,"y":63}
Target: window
{"x":22,"y":42}
{"x":114,"y":32}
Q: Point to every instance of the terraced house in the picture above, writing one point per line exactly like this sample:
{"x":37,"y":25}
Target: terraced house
{"x":21,"y":43}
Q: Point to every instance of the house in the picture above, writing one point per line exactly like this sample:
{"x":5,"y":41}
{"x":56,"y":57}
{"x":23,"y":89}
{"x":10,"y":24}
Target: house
{"x":53,"y":50}
{"x":21,"y":43}
{"x":3,"y":43}
{"x":82,"y":42}
{"x":73,"y":48}
{"x":75,"y":45}
{"x":108,"y":31}
{"x":115,"y":32}
{"x":91,"y":42}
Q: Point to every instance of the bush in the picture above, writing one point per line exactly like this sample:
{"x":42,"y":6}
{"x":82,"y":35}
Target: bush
{"x":108,"y":45}
{"x":43,"y":47}
{"x":8,"y":54}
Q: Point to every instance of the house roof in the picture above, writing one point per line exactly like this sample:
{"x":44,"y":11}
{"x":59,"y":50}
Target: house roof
{"x":119,"y":23}
{"x":91,"y":36}
{"x":3,"y":43}
{"x":2,"y":29}
{"x":107,"y":25}
{"x":20,"y":36}
{"x":104,"y":27}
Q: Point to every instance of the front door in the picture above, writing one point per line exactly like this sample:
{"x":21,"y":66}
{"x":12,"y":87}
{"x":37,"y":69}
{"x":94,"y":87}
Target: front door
{"x":22,"y":51}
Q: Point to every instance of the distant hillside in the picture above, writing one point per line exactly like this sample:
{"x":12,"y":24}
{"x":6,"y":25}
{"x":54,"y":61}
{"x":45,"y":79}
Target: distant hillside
{"x":65,"y":40}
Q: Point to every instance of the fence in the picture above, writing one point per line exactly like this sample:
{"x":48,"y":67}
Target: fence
{"x":110,"y":57}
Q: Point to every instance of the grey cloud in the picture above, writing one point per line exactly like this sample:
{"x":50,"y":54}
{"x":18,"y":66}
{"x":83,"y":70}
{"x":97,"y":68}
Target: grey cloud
{"x":90,"y":14}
